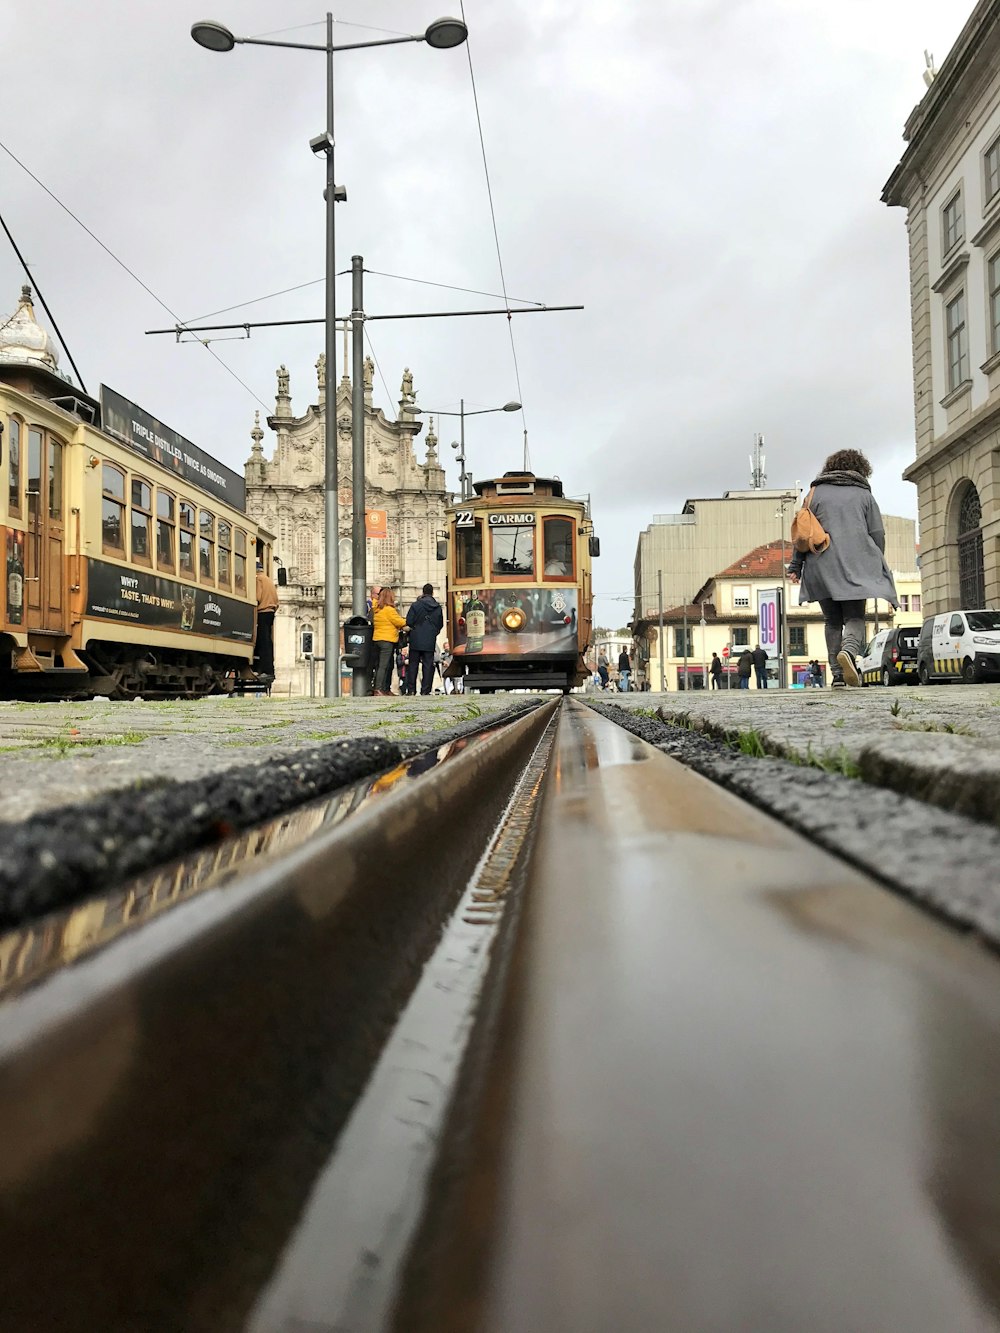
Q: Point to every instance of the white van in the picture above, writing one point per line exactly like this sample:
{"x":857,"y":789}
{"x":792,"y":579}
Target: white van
{"x":960,"y":645}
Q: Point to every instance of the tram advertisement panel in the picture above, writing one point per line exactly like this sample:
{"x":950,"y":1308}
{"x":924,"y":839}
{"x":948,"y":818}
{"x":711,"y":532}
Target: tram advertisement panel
{"x":117,"y":593}
{"x":515,"y":622}
{"x":15,"y":576}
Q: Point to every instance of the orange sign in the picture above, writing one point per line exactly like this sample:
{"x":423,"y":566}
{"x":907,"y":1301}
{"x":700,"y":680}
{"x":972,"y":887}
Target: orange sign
{"x":376,"y":522}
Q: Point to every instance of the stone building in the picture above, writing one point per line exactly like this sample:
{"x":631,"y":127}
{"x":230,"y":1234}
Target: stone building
{"x":948,"y":180}
{"x":285,"y":493}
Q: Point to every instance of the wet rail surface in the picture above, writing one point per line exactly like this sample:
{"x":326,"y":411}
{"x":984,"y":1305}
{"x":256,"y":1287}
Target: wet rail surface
{"x":618,"y":1052}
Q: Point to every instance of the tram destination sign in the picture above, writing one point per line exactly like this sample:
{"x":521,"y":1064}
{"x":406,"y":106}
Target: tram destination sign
{"x":515,"y":520}
{"x":134,"y":427}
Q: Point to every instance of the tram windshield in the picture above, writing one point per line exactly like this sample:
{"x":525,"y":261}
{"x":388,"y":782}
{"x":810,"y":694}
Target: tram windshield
{"x":469,"y":552}
{"x":513,"y":551}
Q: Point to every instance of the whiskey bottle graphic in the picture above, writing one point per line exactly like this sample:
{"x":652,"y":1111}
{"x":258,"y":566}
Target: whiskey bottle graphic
{"x":15,"y":587}
{"x":475,"y":622}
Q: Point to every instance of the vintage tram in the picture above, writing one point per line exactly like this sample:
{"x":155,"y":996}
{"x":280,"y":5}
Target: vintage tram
{"x":519,"y":585}
{"x":130,"y":563}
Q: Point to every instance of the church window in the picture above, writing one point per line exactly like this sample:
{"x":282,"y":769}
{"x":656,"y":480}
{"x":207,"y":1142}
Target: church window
{"x":971,"y":577}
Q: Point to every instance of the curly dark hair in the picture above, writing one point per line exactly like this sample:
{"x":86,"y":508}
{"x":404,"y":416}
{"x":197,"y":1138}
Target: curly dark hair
{"x":848,"y":460}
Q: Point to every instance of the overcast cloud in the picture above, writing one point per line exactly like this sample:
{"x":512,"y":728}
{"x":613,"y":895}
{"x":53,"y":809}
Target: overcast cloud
{"x":704,"y":176}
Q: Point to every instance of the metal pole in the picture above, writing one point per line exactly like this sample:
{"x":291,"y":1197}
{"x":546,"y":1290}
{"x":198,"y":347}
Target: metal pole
{"x":461,"y":448}
{"x":331,"y":628}
{"x":704,"y":650}
{"x":784,"y":673}
{"x":659,"y":598}
{"x":687,"y":679}
{"x":359,"y":561}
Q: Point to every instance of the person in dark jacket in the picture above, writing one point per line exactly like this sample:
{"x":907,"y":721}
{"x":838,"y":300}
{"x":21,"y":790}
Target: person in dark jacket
{"x":760,"y":666}
{"x":715,"y":667}
{"x":425,"y":621}
{"x":624,"y":671}
{"x":744,"y":667}
{"x":852,"y":568}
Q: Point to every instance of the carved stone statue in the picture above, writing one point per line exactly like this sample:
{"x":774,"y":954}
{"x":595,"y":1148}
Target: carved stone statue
{"x":406,"y":388}
{"x":369,"y":372}
{"x":321,"y":372}
{"x":283,"y":378}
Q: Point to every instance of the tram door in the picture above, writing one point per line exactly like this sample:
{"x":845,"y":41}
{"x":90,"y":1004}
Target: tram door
{"x":43,"y":554}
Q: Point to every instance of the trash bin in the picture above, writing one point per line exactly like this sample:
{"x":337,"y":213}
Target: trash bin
{"x":357,"y":644}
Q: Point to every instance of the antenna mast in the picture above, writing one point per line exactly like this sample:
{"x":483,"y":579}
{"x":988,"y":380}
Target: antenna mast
{"x":758,"y":477}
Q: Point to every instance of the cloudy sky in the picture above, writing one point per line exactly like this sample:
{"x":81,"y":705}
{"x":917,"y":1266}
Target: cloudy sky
{"x":703,"y":175}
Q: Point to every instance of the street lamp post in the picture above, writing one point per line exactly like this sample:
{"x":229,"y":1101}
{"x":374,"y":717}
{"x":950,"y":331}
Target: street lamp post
{"x":464,"y":476}
{"x":442,"y":34}
{"x":784,"y":677}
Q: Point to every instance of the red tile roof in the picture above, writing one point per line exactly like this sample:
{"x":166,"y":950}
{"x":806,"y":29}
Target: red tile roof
{"x":762,"y":562}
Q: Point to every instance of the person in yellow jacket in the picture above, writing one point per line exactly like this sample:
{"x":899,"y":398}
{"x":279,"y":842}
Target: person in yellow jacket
{"x":387,"y":622}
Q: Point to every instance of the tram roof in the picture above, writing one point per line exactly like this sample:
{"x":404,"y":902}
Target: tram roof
{"x":540,"y":486}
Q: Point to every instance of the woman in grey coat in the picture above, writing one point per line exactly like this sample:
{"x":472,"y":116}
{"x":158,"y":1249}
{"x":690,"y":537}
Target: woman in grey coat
{"x":853,"y":567}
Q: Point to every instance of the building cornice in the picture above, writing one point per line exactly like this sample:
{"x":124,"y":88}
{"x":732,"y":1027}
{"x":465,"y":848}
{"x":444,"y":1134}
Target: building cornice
{"x":951,"y":272}
{"x":935,"y":115}
{"x":972,"y":430}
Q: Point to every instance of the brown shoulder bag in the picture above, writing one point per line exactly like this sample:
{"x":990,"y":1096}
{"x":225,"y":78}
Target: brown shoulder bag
{"x":808,"y":533}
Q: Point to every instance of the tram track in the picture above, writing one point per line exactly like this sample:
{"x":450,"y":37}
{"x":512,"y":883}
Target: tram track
{"x":561,"y":1035}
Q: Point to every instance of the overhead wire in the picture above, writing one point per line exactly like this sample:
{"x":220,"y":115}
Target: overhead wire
{"x":496,"y":238}
{"x":134,"y":276}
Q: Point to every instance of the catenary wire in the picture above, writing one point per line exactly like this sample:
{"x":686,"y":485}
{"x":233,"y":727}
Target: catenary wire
{"x":496,"y":236}
{"x":121,"y":264}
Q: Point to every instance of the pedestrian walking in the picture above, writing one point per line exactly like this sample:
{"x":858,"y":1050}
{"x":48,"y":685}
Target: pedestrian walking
{"x":852,"y":568}
{"x":263,"y":646}
{"x":744,"y":667}
{"x":425,"y":621}
{"x":624,"y":671}
{"x":816,"y":674}
{"x":760,"y":666}
{"x":385,"y":636}
{"x":603,"y":668}
{"x":715,"y":667}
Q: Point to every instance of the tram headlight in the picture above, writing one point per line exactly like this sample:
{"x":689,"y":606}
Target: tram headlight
{"x":513,"y":619}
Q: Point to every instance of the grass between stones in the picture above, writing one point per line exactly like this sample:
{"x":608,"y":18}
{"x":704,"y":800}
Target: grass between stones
{"x":757,"y":746}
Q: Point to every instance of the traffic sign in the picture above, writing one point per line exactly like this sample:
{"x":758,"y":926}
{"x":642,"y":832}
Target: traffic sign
{"x":725,"y":651}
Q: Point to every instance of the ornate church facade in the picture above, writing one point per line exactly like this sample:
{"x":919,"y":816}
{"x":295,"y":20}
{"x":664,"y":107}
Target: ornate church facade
{"x":285,"y":494}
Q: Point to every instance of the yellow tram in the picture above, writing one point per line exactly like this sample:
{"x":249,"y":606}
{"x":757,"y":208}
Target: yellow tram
{"x":129,"y":562}
{"x":519,"y":585}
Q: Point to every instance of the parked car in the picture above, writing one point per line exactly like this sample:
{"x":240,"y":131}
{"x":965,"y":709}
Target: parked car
{"x":891,"y":657}
{"x":960,"y":645}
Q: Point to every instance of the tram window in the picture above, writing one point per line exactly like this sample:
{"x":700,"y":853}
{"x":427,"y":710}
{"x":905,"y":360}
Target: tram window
{"x":206,"y":524}
{"x":206,"y":559}
{"x":164,"y":530}
{"x":558,"y":548}
{"x":142,"y":522}
{"x":113,"y":509}
{"x":469,"y":551}
{"x":14,"y":467}
{"x":240,"y":560}
{"x":225,"y":543}
{"x":55,"y":479}
{"x":34,"y":470}
{"x":513,"y":552}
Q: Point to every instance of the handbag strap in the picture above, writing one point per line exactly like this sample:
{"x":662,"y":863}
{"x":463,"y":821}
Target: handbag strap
{"x":805,"y":502}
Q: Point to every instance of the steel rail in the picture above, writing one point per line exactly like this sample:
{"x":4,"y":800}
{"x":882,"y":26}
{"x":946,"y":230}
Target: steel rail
{"x":167,"y":1104}
{"x":729,"y":1083}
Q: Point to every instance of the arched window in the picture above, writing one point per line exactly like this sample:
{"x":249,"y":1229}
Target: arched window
{"x":971,"y":579}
